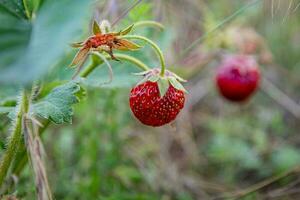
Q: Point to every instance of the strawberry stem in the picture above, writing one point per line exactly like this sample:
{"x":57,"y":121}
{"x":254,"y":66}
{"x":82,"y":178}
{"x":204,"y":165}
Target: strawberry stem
{"x":154,"y":46}
{"x":149,"y":23}
{"x":119,"y":56}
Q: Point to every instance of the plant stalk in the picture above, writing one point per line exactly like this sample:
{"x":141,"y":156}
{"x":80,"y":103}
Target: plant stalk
{"x":154,"y":46}
{"x":124,"y":57}
{"x":149,"y":24}
{"x":15,"y":139}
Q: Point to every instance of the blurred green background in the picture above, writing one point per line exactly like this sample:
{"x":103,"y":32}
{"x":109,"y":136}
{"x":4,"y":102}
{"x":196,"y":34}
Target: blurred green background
{"x":214,"y":146}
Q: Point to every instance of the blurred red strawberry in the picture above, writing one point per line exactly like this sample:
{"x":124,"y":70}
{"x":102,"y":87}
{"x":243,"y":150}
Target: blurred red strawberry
{"x":238,"y":77}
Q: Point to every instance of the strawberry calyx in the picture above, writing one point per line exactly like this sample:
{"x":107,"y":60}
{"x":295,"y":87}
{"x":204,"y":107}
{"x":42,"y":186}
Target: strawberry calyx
{"x":163,"y":81}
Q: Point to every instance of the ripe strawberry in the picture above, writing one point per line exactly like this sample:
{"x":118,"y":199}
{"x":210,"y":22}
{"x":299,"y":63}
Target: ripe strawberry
{"x":238,"y":77}
{"x":151,"y":104}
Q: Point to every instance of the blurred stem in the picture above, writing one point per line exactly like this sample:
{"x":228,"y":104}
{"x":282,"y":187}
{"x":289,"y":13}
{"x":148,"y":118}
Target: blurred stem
{"x":154,"y":46}
{"x":124,"y":57}
{"x":242,"y":193}
{"x":125,"y":12}
{"x":149,"y":24}
{"x":280,"y":97}
{"x":21,"y":157}
{"x":35,"y":152}
{"x":16,"y":137}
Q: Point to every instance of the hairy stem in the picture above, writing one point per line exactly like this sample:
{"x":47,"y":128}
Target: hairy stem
{"x":15,"y":138}
{"x":154,"y":46}
{"x":124,"y":57}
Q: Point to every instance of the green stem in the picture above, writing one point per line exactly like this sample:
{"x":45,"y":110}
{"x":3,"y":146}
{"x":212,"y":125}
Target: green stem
{"x":119,"y":56}
{"x":15,"y":139}
{"x":89,"y":69}
{"x":149,"y":23}
{"x":154,"y":46}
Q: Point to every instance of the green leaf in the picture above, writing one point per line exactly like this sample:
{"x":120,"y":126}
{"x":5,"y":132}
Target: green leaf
{"x":14,"y":7}
{"x":14,"y":33}
{"x":163,"y":86}
{"x":29,"y":49}
{"x":31,"y":7}
{"x":57,"y":105}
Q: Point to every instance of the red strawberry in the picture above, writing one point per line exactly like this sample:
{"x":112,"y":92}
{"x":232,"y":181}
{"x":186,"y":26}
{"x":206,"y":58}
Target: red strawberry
{"x":153,"y":108}
{"x":238,"y":77}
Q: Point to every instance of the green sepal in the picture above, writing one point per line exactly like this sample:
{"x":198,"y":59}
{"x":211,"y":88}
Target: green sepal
{"x":163,"y":86}
{"x":154,"y":78}
{"x":96,"y":28}
{"x":176,"y":84}
{"x":179,"y":78}
{"x":126,"y":30}
{"x":77,"y":44}
{"x":145,"y":79}
{"x":142,"y":73}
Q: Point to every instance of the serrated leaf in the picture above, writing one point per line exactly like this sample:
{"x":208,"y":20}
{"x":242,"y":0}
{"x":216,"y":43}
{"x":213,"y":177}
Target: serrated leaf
{"x":81,"y":94}
{"x":57,"y":105}
{"x":126,"y":30}
{"x":176,"y":84}
{"x":96,"y":28}
{"x":163,"y":86}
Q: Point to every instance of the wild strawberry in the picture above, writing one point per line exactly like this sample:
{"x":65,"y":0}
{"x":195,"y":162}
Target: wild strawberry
{"x":157,"y":100}
{"x":238,"y":77}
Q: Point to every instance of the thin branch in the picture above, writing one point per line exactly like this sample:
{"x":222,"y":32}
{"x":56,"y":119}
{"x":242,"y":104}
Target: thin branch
{"x":89,"y":69}
{"x":260,"y":185}
{"x":35,"y":151}
{"x":125,"y":12}
{"x":280,"y":97}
